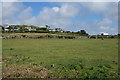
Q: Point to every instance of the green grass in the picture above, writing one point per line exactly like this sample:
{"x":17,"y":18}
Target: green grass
{"x":56,"y":52}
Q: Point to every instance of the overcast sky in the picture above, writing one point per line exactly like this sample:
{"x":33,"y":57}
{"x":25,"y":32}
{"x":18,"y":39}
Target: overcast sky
{"x":94,"y":17}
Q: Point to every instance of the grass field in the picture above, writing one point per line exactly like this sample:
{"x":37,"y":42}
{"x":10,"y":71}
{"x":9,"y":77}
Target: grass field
{"x":60,"y":58}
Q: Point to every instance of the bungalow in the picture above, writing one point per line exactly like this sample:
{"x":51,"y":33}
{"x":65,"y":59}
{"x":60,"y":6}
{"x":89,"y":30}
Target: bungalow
{"x":105,"y":34}
{"x":30,"y":29}
{"x":52,"y":30}
{"x":6,"y":29}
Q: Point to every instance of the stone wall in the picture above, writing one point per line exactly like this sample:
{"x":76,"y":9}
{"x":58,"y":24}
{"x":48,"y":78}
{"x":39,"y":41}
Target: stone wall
{"x":42,"y":36}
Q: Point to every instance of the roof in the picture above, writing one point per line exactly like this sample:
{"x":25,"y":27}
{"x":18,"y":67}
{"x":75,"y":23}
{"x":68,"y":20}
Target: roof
{"x":15,"y":28}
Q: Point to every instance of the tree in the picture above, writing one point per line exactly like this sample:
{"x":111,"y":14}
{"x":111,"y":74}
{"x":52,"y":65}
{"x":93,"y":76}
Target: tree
{"x":22,"y":29}
{"x":47,"y":26}
{"x":83,"y":32}
{"x":43,"y":28}
{"x":102,"y":36}
{"x":10,"y":28}
{"x":38,"y":29}
{"x":2,"y":28}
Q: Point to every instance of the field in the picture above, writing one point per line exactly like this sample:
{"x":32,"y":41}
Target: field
{"x":60,"y":58}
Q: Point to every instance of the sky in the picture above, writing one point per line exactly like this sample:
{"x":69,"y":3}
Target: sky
{"x":93,"y":17}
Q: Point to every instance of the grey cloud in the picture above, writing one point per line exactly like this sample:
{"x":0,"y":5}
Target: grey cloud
{"x":107,"y":9}
{"x":10,"y":10}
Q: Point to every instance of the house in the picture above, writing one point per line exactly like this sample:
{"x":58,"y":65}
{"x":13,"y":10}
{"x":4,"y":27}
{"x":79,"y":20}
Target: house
{"x":105,"y":34}
{"x":6,"y":29}
{"x":30,"y":29}
{"x":16,"y":28}
{"x":6,"y":26}
{"x":52,"y":30}
{"x":58,"y":29}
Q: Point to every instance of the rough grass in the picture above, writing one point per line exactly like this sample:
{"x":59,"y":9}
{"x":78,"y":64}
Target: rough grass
{"x":59,"y":58}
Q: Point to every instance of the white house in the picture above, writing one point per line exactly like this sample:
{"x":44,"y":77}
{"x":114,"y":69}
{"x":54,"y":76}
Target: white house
{"x":30,"y":29}
{"x":104,"y":33}
{"x":6,"y":29}
{"x":52,"y":30}
{"x":6,"y":26}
